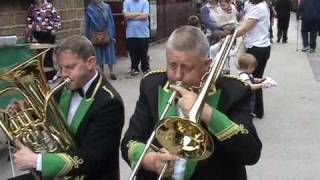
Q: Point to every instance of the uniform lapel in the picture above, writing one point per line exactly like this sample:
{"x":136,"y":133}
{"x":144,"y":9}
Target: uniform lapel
{"x":79,"y":114}
{"x":64,"y":101}
{"x":85,"y":104}
{"x":163,"y":97}
{"x":213,"y":98}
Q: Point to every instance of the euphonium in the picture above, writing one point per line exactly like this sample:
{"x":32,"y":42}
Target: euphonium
{"x":40,"y":125}
{"x":184,"y":136}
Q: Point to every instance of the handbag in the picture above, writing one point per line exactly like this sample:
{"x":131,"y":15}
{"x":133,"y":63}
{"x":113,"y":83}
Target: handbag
{"x":100,"y":38}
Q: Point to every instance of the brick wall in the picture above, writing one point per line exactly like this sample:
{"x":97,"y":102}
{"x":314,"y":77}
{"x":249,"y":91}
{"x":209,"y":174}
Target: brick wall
{"x":13,"y":17}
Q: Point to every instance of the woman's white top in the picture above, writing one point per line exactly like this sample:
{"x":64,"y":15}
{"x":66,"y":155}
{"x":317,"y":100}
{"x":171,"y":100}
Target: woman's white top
{"x":224,"y":18}
{"x":259,"y":35}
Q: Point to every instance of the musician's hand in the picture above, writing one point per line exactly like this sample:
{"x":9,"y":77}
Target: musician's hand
{"x":186,"y":101}
{"x":16,"y":106}
{"x":154,"y":161}
{"x":227,"y":30}
{"x":24,"y":157}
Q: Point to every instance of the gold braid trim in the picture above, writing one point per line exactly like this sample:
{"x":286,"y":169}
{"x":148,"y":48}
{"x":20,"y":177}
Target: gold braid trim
{"x":108,"y":91}
{"x":166,"y":87}
{"x":130,"y":143}
{"x":69,"y":163}
{"x":232,"y":130}
{"x":96,"y":88}
{"x":155,"y":71}
{"x":234,"y":77}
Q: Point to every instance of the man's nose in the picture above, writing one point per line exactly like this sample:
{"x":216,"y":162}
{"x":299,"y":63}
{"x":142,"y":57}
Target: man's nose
{"x":64,"y":73}
{"x":178,"y":74}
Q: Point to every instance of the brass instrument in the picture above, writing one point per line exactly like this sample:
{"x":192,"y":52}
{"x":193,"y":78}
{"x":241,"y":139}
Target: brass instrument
{"x":185,"y":137}
{"x":41,"y":125}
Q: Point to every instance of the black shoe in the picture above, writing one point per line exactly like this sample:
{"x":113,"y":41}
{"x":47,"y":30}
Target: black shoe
{"x":253,"y":114}
{"x":304,"y":49}
{"x":278,"y":40}
{"x":260,"y":116}
{"x":113,"y":77}
{"x":132,"y":73}
{"x":284,"y":42}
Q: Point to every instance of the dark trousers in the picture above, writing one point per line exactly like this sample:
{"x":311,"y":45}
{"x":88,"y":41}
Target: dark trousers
{"x":47,"y":37}
{"x":309,"y":26}
{"x":262,"y":55}
{"x":138,"y":50}
{"x":283,"y":24}
{"x":283,"y":33}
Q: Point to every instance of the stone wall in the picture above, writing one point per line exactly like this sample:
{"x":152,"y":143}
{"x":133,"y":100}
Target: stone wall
{"x":13,"y":17}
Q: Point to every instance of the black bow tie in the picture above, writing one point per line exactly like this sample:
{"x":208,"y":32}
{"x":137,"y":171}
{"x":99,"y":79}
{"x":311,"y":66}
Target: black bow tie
{"x":79,"y":91}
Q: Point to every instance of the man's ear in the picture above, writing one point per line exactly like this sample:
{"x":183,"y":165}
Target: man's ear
{"x":91,"y":62}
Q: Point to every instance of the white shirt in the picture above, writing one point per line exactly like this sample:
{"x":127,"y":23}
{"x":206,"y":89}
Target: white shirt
{"x":215,"y":48}
{"x":247,"y":6}
{"x":245,"y":76}
{"x":223,"y":18}
{"x":180,"y":164}
{"x":259,"y":35}
{"x":76,"y":99}
{"x":74,"y":104}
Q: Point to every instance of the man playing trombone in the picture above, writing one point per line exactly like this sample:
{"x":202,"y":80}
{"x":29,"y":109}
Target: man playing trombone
{"x":225,"y":115}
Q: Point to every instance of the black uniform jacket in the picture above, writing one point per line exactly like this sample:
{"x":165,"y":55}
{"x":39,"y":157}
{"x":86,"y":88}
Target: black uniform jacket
{"x":97,"y":137}
{"x":230,"y":156}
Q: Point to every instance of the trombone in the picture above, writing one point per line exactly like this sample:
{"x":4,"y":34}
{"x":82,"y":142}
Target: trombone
{"x":184,"y":136}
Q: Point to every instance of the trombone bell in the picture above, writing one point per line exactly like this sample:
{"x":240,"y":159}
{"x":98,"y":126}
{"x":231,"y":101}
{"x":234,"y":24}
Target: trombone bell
{"x":184,"y":138}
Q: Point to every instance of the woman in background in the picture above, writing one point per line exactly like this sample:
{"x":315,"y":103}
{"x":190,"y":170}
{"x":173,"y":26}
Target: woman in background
{"x":99,"y":18}
{"x":42,"y":23}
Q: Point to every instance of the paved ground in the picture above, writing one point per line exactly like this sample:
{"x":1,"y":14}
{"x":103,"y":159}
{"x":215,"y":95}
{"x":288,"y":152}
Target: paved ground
{"x":290,"y":129}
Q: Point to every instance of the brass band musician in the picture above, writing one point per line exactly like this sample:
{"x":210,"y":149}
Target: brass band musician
{"x":226,"y":115}
{"x":94,"y":113}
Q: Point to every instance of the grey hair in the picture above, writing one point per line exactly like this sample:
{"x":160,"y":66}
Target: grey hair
{"x":77,"y":44}
{"x":189,"y":38}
